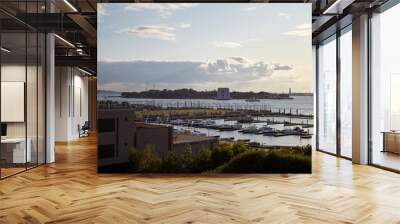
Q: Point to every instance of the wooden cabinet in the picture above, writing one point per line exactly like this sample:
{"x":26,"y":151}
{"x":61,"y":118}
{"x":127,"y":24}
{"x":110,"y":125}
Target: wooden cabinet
{"x":391,"y":142}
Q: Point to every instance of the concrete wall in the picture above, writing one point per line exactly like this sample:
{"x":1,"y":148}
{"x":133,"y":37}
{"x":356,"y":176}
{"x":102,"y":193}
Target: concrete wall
{"x":120,"y":138}
{"x":71,"y":102}
{"x":159,"y":138}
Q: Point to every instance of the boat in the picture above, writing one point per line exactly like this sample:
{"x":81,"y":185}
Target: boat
{"x":198,"y":133}
{"x":286,"y":132}
{"x":263,"y":129}
{"x":230,"y":127}
{"x":177,"y":122}
{"x":306,"y":136}
{"x":250,"y":130}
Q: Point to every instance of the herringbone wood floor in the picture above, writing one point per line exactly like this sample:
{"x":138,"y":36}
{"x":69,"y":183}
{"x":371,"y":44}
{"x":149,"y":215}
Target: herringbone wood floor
{"x":70,"y":191}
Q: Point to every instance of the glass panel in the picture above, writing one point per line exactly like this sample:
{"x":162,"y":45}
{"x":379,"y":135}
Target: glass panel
{"x":41,"y":98}
{"x":314,"y":71}
{"x":31,"y":97}
{"x":327,"y":96}
{"x":385,"y":84}
{"x":32,"y":89}
{"x":13,"y":86}
{"x":346,"y":94}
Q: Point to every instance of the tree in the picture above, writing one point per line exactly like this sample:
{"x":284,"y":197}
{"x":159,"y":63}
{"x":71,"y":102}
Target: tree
{"x":222,"y":154}
{"x":187,"y":158}
{"x":150,"y":162}
{"x":203,"y":161}
{"x":144,"y":161}
{"x":171,"y":162}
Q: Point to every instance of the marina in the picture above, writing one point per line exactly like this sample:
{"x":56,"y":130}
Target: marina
{"x":259,"y":122}
{"x":261,"y":133}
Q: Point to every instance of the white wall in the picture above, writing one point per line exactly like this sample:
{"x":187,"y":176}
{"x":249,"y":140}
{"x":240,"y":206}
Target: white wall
{"x":71,"y":94}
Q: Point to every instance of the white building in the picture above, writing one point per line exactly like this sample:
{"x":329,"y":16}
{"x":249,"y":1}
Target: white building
{"x":223,"y":94}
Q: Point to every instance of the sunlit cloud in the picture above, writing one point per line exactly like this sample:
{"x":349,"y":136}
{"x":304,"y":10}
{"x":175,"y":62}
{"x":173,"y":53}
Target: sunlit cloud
{"x":184,"y":25}
{"x":191,"y":74}
{"x":226,"y":44}
{"x":302,"y":30}
{"x":159,"y":32}
{"x":163,"y":9}
{"x":252,"y":7}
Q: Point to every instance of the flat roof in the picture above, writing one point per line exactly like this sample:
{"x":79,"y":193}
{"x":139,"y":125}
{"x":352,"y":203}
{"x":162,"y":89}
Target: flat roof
{"x":148,"y":125}
{"x":187,"y":138}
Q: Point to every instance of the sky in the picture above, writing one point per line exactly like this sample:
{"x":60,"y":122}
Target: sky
{"x":242,"y":46}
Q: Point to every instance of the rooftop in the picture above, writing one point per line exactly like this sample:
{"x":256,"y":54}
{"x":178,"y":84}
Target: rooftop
{"x":187,"y":138}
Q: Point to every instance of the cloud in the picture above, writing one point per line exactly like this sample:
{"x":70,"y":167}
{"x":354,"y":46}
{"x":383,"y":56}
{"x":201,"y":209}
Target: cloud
{"x":284,"y":15}
{"x":304,"y":26}
{"x":238,"y":65}
{"x":226,"y":44}
{"x":184,"y":25}
{"x":163,"y":9}
{"x":302,"y":30}
{"x":251,"y":8}
{"x":278,"y":67}
{"x":133,"y":75}
{"x":234,"y":44}
{"x":159,"y":32}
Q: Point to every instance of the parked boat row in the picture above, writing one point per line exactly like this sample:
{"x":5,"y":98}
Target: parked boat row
{"x":265,"y":130}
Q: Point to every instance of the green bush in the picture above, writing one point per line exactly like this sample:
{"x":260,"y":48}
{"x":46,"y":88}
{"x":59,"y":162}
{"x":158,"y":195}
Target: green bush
{"x":221,"y":154}
{"x":145,"y":161}
{"x":240,"y":147}
{"x":171,"y":162}
{"x":202,"y":161}
{"x":226,"y":158}
{"x":307,"y":149}
{"x":267,"y":162}
{"x":304,"y":150}
{"x":187,"y":158}
{"x":134,"y":158}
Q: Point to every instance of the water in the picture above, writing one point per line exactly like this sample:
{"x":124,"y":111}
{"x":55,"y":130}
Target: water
{"x":300,"y":104}
{"x":264,"y":140}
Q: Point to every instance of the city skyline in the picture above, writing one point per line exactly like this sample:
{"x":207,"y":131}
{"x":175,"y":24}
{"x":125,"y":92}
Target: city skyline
{"x":244,"y":49}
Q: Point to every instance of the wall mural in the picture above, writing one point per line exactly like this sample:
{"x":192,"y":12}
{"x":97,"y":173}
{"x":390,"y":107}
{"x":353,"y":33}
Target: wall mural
{"x":204,"y":88}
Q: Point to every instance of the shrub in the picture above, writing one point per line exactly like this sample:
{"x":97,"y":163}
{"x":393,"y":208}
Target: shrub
{"x":267,"y":162}
{"x":150,"y":162}
{"x":307,"y":149}
{"x":171,"y":162}
{"x":144,"y":161}
{"x":304,"y":150}
{"x":240,"y":147}
{"x":187,"y":159}
{"x":203,"y":161}
{"x":221,"y":154}
{"x":134,"y":158}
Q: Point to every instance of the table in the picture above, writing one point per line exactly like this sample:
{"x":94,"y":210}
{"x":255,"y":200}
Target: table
{"x":13,"y":150}
{"x":391,"y":141}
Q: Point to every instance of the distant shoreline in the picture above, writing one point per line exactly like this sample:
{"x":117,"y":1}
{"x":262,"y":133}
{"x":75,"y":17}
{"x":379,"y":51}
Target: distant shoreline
{"x":190,"y":94}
